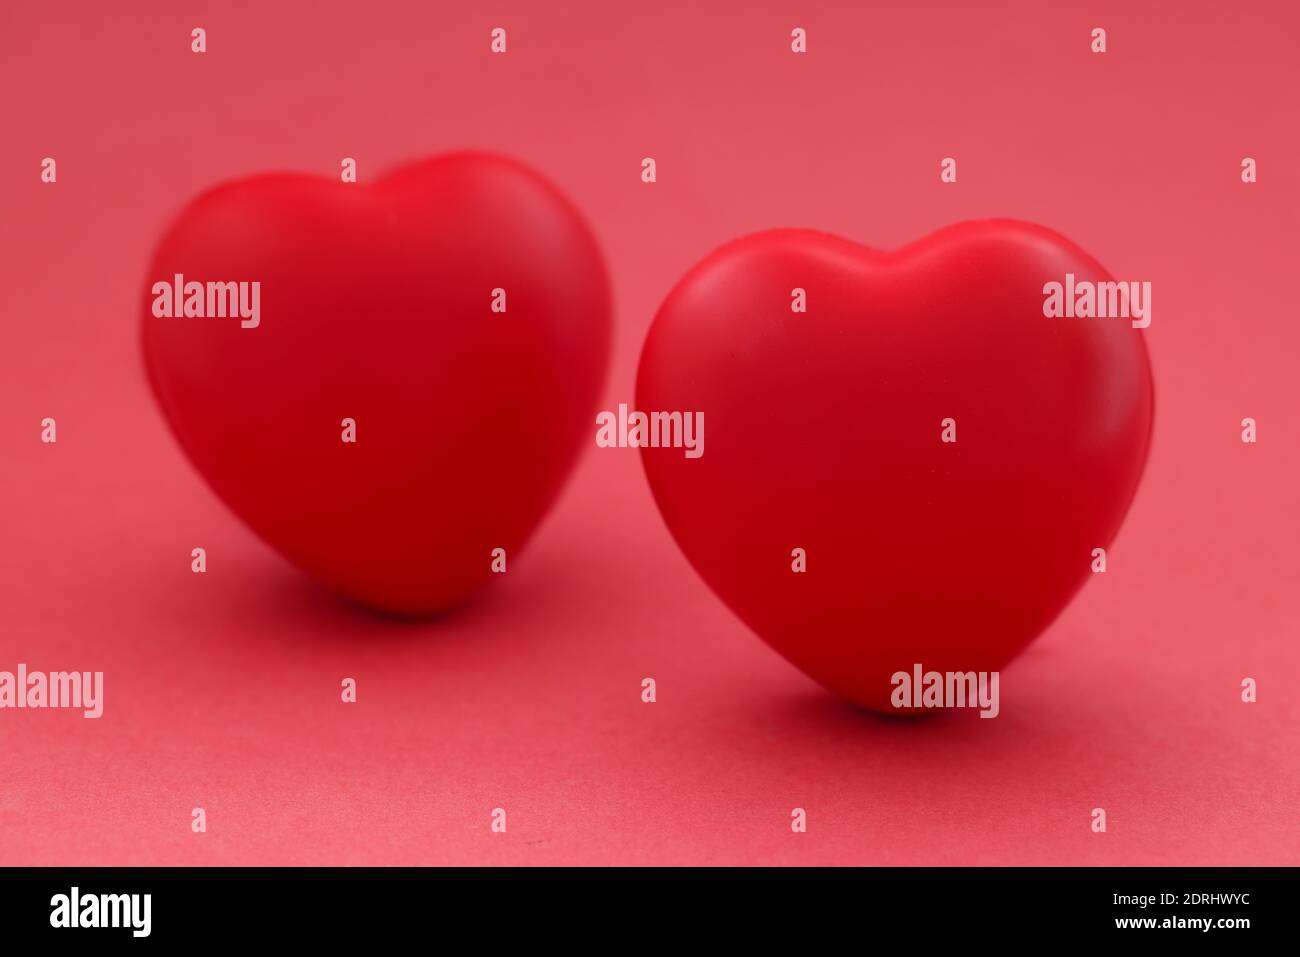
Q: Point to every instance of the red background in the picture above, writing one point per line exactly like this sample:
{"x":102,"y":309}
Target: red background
{"x":222,"y":690}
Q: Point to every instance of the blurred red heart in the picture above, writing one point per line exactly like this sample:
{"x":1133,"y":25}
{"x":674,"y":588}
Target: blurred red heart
{"x":824,"y":434}
{"x":376,"y":305}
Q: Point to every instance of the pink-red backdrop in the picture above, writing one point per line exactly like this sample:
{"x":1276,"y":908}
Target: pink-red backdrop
{"x":222,"y":690}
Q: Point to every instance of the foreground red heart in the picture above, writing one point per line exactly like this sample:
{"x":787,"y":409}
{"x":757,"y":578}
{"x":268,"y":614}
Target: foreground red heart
{"x":377,"y":306}
{"x":824,"y":434}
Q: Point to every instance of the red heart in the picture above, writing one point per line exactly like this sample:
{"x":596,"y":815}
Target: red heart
{"x":376,"y":305}
{"x":824,"y":433}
